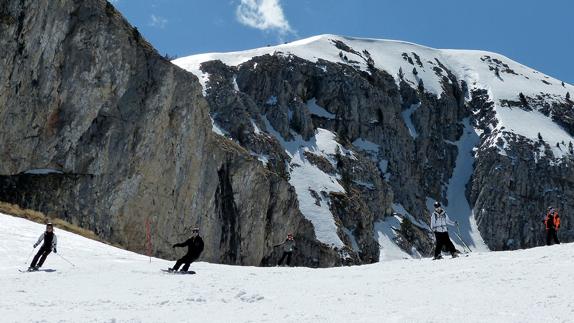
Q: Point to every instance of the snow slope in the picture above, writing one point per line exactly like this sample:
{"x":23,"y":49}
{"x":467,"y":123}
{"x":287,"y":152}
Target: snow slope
{"x":113,"y":285}
{"x":458,"y":207}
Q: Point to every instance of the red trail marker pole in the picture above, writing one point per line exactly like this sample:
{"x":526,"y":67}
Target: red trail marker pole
{"x":148,"y":238}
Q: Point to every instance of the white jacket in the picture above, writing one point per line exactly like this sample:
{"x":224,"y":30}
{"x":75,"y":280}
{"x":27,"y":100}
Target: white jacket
{"x":41,"y":238}
{"x":439,"y":220}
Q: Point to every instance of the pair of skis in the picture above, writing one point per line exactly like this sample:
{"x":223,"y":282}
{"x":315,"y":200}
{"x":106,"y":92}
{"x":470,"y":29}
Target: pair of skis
{"x":189,"y":272}
{"x":42,"y":270}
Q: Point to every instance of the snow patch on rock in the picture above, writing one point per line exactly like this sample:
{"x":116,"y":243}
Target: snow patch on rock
{"x":317,"y":110}
{"x":386,"y":235}
{"x":407,"y":114}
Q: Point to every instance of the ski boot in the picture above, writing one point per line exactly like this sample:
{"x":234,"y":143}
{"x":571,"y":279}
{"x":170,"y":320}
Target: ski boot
{"x":439,"y":257}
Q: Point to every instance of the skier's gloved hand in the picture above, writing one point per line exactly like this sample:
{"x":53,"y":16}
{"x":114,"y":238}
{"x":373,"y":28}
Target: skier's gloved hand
{"x":55,"y":250}
{"x":456,"y":222}
{"x":174,"y":246}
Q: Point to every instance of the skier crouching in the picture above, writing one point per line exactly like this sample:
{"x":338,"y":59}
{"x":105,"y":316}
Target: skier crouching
{"x":50,"y":243}
{"x":439,"y":221}
{"x":194,"y":248}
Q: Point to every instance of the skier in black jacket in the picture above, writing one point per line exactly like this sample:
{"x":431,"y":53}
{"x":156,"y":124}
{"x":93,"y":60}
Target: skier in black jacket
{"x":50,"y":243}
{"x":194,"y":248}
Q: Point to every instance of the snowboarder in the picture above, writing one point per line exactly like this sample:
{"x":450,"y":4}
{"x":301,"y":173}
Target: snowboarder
{"x":194,"y":248}
{"x":552,"y":223}
{"x":50,"y":243}
{"x":439,"y":221}
{"x":288,"y":248}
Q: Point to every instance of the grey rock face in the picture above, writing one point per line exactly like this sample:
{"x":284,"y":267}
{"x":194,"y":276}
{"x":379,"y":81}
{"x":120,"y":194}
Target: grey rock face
{"x":276,"y":91}
{"x":130,"y":137}
{"x":510,"y":191}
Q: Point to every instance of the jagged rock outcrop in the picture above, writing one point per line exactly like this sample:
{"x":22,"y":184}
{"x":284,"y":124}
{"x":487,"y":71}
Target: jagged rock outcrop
{"x":99,"y":129}
{"x":271,"y":93}
{"x":410,"y":137}
{"x":515,"y":178}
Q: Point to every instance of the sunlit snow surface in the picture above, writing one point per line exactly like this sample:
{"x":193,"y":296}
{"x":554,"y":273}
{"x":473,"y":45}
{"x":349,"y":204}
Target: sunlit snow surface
{"x":113,"y":285}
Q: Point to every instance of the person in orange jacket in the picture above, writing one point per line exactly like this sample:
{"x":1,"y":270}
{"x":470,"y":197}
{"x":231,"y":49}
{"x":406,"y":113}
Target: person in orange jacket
{"x":552,"y":223}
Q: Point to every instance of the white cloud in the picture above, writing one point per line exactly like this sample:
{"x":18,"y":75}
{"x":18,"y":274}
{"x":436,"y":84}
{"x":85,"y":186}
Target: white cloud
{"x":263,"y":15}
{"x":158,"y":21}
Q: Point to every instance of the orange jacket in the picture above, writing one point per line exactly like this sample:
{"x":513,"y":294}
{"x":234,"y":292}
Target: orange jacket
{"x":552,"y":220}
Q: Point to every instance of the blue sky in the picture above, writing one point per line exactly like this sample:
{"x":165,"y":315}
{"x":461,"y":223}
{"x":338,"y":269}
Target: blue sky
{"x":537,"y":33}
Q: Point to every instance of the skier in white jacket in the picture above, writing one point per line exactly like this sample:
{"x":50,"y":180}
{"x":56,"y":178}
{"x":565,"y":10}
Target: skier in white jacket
{"x":439,"y":222}
{"x":50,"y":243}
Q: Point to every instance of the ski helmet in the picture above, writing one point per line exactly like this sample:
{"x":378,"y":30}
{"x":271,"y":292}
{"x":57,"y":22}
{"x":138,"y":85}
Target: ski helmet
{"x":49,"y":224}
{"x":436,"y":204}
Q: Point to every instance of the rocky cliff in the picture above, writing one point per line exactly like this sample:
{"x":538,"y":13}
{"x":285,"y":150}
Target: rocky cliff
{"x":100,"y":130}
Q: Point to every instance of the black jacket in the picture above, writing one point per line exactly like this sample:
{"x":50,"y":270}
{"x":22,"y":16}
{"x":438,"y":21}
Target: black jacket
{"x":194,"y":246}
{"x":50,"y":240}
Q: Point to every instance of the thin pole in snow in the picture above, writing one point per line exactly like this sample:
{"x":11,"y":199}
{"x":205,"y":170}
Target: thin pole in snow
{"x":460,"y":237}
{"x":148,"y":238}
{"x":29,"y":256}
{"x":66,"y":260}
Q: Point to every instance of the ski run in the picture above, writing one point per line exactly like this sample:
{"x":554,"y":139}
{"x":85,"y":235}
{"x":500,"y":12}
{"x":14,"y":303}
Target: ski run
{"x":108,"y":284}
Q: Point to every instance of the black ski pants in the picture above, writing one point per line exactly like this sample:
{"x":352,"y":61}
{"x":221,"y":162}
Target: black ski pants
{"x":551,"y":234}
{"x":286,"y":254}
{"x":185,"y":261}
{"x":42,"y":254}
{"x":442,"y":239}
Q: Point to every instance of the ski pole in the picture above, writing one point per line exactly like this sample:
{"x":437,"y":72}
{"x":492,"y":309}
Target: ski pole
{"x":464,"y":246}
{"x":29,"y":256}
{"x":462,"y":240}
{"x":460,"y":237}
{"x":66,"y":260}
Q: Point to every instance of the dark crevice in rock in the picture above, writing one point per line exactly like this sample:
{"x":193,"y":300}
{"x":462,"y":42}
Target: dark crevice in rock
{"x":226,"y":209}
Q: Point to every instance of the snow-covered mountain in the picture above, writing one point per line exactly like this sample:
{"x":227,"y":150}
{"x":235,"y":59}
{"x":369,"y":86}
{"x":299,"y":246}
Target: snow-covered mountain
{"x":488,"y":105}
{"x":501,"y":75}
{"x":503,"y":78}
{"x":344,"y":142}
{"x":113,"y":285}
